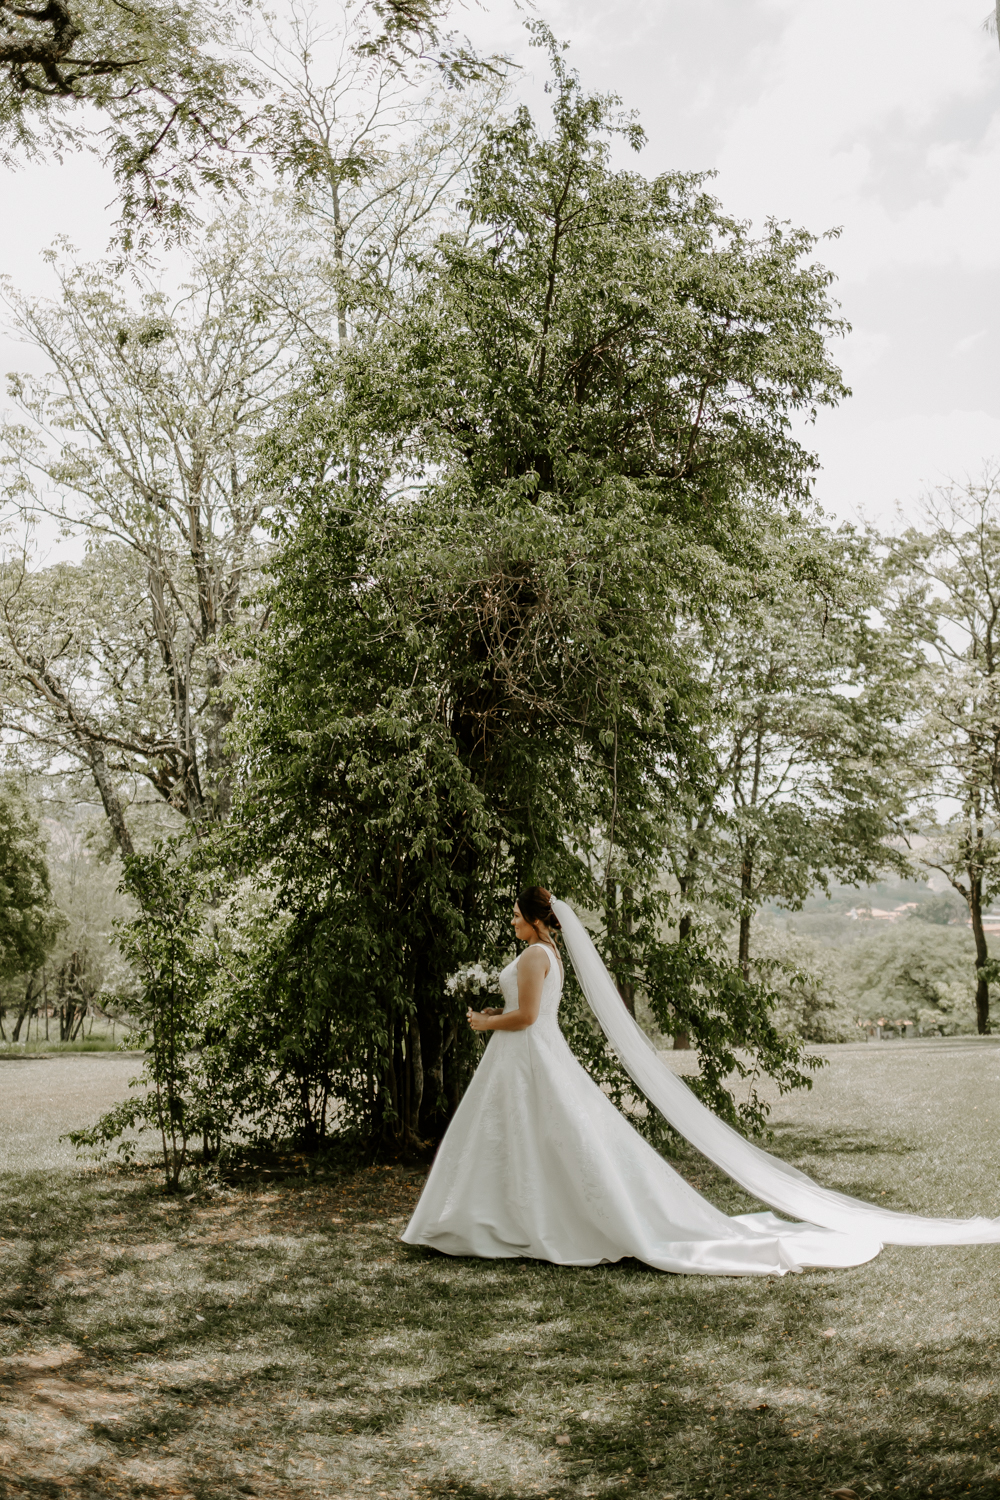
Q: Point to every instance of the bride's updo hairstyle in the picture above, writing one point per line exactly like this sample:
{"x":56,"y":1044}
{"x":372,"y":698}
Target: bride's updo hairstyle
{"x":536,"y":906}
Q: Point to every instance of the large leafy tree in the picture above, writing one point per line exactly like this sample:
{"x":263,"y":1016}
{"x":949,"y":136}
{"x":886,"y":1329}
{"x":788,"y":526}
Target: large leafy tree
{"x":946,"y":621}
{"x":140,"y":440}
{"x":498,"y":506}
{"x":28,"y":923}
{"x":165,"y":93}
{"x":799,"y":776}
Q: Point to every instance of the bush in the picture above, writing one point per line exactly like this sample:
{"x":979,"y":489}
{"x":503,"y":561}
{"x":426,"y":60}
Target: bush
{"x":814,"y":1001}
{"x":917,"y":970}
{"x":184,"y":1075}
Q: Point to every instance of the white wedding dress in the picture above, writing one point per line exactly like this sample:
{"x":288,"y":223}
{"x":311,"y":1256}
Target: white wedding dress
{"x":538,"y":1162}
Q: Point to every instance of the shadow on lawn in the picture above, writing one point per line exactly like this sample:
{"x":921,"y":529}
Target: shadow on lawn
{"x":297,"y":1329}
{"x":791,"y":1142}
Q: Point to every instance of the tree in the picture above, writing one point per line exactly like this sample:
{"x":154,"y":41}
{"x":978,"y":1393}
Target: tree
{"x":946,"y":617}
{"x":915,"y":970}
{"x":141,"y":440}
{"x":815,"y":999}
{"x":164,"y":943}
{"x":796,"y":779}
{"x":174,"y":103}
{"x":181,"y":115}
{"x":941,"y":911}
{"x":28,"y":924}
{"x":84,"y":976}
{"x":376,"y":150}
{"x":494,"y":510}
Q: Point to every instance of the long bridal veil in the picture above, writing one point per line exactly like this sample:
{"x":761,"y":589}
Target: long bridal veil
{"x":764,"y":1175}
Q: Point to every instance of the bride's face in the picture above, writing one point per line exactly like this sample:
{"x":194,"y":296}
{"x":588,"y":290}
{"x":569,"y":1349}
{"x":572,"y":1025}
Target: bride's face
{"x":523,"y":930}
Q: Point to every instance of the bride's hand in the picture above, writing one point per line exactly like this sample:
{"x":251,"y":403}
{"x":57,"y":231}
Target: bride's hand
{"x":491,"y":1010}
{"x":477,"y":1019}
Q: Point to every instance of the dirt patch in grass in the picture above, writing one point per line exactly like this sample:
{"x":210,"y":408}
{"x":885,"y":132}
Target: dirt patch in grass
{"x":273,"y":1337}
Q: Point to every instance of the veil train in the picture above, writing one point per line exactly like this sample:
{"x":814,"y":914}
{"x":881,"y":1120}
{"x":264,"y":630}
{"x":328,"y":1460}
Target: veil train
{"x":764,"y":1175}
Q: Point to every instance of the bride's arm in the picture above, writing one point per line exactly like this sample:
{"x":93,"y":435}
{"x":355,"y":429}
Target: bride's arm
{"x":532,"y":967}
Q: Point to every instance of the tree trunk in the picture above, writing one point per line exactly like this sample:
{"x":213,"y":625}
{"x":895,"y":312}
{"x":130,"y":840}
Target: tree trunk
{"x":982,"y":952}
{"x":217,"y":760}
{"x":29,"y":997}
{"x":390,"y":1092}
{"x":626,"y":987}
{"x":434,"y":1106}
{"x":682,"y":1039}
{"x":619,"y":925}
{"x":747,"y":862}
{"x":415,"y":1070}
{"x":402,"y":1061}
{"x":744,"y":949}
{"x":109,"y":797}
{"x":746,"y":910}
{"x":338,"y":255}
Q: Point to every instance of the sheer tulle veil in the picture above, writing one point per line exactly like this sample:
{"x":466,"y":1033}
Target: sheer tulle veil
{"x":764,"y":1175}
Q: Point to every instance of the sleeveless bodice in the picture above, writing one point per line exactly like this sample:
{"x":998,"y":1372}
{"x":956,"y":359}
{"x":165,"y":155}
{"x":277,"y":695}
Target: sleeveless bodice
{"x":548,"y":1010}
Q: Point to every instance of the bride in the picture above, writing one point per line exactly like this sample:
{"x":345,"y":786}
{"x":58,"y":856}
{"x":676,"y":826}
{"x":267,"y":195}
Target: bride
{"x":538,"y":1162}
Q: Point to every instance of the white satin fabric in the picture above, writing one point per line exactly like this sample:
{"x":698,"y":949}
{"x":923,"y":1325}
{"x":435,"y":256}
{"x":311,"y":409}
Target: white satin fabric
{"x":767,"y":1177}
{"x":538,"y":1162}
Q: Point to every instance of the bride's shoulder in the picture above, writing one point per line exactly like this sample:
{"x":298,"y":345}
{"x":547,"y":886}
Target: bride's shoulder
{"x":536,"y":956}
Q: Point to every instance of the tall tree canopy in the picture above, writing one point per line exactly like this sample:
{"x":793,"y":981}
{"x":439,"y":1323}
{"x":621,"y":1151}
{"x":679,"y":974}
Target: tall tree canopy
{"x":178,"y":102}
{"x":157,"y":72}
{"x":28,"y":924}
{"x":799,"y":731}
{"x":141,"y":438}
{"x":498,"y":507}
{"x":946,"y":624}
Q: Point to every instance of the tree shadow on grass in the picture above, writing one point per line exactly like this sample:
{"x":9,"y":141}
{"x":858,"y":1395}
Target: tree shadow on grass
{"x":791,"y":1142}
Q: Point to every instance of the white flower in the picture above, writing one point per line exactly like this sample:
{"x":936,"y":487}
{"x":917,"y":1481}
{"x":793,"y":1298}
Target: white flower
{"x":472,"y":979}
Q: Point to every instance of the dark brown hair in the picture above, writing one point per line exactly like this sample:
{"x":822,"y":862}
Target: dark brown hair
{"x":536,"y":906}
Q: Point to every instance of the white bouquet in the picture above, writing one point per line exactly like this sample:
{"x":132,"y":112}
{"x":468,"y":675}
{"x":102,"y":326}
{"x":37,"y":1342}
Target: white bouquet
{"x":472,"y":982}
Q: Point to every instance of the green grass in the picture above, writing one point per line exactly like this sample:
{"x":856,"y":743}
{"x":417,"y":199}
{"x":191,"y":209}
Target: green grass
{"x":90,"y":1044}
{"x":99,"y":1037}
{"x":271,"y":1336}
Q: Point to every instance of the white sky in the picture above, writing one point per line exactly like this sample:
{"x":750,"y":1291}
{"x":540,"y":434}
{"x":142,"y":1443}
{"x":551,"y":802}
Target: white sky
{"x":880,"y":116}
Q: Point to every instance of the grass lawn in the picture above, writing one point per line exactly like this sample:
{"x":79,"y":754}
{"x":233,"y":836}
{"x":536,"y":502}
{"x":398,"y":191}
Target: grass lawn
{"x":98,"y":1036}
{"x":272,"y":1337}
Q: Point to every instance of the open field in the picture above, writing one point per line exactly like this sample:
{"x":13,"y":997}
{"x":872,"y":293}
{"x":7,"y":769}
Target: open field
{"x":272,"y":1337}
{"x":40,"y":1099}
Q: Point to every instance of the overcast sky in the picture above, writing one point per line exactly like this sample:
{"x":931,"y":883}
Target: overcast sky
{"x":881,"y":117}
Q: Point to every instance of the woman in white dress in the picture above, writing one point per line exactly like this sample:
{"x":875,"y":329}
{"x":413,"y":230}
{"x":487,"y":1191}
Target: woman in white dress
{"x":538,"y":1162}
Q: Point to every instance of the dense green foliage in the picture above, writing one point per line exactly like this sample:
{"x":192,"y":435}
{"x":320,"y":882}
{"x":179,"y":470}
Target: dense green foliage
{"x":502,"y":512}
{"x":180,"y":1094}
{"x":922,"y":972}
{"x":28,"y":924}
{"x":916,"y":970}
